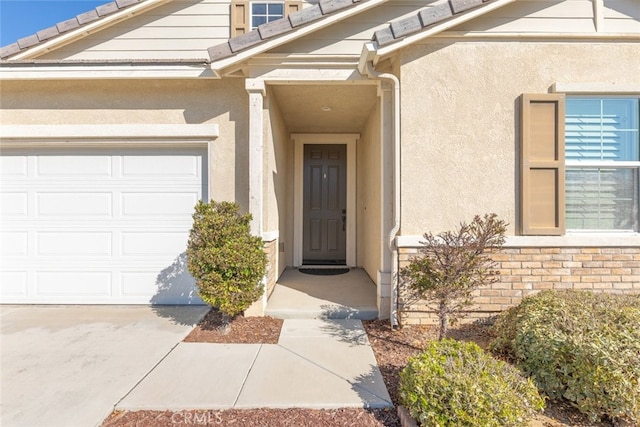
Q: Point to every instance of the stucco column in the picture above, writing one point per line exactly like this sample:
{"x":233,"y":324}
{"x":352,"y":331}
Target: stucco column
{"x":385,"y":94}
{"x":256,"y":89}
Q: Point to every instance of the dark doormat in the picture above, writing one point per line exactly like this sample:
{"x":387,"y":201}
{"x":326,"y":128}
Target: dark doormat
{"x":323,"y":271}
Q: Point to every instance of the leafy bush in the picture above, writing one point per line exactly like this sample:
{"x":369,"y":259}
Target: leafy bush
{"x":580,"y":346}
{"x":227,"y":262}
{"x":454,"y":264}
{"x":455,"y":383}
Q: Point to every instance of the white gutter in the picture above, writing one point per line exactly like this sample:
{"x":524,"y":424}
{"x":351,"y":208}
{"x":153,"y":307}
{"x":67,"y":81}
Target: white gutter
{"x":365,"y":66}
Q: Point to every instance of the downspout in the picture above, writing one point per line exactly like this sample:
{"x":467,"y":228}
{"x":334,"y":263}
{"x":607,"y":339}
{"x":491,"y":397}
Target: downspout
{"x":366,"y":68}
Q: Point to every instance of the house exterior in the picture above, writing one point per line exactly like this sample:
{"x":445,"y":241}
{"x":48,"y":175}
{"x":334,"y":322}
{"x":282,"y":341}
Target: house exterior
{"x":348,"y":128}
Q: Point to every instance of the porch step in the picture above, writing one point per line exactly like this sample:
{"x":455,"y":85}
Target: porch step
{"x":302,"y":296}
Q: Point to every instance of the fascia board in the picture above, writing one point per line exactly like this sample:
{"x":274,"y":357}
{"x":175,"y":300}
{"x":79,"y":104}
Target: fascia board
{"x":87,"y":29}
{"x":219,"y":66}
{"x":101,"y":71}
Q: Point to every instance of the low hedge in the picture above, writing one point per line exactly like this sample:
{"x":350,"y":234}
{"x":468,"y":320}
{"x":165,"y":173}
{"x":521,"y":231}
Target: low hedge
{"x":456,"y":383}
{"x":580,"y":346}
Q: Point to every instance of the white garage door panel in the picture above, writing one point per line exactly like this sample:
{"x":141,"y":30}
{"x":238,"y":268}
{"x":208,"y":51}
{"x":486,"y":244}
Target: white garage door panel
{"x":13,"y":243}
{"x":136,"y":166}
{"x":13,"y":166}
{"x":98,"y":226}
{"x":135,"y":284}
{"x":74,"y":165}
{"x":74,"y":204}
{"x":14,"y":284}
{"x":159,"y":204}
{"x":14,"y":204}
{"x":74,"y":243}
{"x":156,"y":243}
{"x":73,"y":283}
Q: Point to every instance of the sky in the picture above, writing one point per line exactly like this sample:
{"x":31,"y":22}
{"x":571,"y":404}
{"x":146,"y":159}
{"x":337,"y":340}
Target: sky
{"x":21,"y":18}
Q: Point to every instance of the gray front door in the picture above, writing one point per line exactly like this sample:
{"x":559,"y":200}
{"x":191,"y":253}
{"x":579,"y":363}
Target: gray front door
{"x":325,"y":203}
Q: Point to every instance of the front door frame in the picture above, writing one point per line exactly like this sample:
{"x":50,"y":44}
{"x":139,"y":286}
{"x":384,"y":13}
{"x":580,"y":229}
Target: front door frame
{"x":300,"y":140}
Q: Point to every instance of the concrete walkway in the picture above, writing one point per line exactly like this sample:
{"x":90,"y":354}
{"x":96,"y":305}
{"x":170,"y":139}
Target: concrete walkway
{"x":72,"y":365}
{"x":316,"y":364}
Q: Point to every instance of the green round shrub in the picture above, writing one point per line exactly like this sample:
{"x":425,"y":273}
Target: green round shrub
{"x":227,"y":262}
{"x":580,"y":346}
{"x":455,"y":383}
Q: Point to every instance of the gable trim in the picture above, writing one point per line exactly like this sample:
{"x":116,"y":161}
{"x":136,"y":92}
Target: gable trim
{"x":87,"y":29}
{"x":219,"y":65}
{"x":460,"y":16}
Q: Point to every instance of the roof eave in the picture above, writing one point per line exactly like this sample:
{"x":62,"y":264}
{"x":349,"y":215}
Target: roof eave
{"x":85,"y":30}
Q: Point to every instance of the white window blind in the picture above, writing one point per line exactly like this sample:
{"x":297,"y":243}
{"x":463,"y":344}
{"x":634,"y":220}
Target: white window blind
{"x":602,"y":163}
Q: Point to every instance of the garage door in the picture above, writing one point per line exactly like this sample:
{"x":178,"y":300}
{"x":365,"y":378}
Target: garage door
{"x":96,"y":226}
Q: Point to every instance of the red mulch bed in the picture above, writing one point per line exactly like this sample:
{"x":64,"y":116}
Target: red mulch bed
{"x":392,"y":350}
{"x":243,"y":330}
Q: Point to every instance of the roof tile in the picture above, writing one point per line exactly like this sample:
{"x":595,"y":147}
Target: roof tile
{"x":406,"y":26}
{"x":244,"y":41}
{"x":90,"y":16}
{"x":107,"y":9}
{"x":28,"y":41}
{"x":330,"y":6}
{"x":458,"y":6}
{"x":124,"y":3}
{"x":274,"y":28}
{"x":432,"y":15}
{"x":306,"y":15}
{"x":47,"y":33}
{"x":383,"y":37}
{"x":9,"y":50}
{"x":68,"y":25}
{"x":220,"y":51}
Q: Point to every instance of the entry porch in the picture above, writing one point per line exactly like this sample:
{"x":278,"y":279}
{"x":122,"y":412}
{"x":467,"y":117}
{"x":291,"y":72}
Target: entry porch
{"x":299,"y":295}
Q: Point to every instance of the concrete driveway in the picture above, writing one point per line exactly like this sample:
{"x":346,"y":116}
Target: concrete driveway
{"x":70,"y":365}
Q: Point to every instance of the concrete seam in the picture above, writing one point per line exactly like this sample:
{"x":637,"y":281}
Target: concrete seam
{"x":244,"y":381}
{"x":146,"y":375}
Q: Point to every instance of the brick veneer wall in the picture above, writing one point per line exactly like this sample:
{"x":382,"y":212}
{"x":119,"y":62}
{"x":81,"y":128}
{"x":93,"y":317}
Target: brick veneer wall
{"x":524,"y":271}
{"x":271,"y":249}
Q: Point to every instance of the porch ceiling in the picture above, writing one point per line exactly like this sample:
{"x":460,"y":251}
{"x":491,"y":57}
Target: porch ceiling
{"x":302,"y":107}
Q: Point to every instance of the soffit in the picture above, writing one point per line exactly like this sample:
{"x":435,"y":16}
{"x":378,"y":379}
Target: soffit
{"x":301,"y":107}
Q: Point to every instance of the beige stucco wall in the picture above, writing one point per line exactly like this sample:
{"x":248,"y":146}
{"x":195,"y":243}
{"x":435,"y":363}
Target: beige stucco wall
{"x":278,"y":173}
{"x":146,"y":102}
{"x":459,"y":119}
{"x":368,"y":197}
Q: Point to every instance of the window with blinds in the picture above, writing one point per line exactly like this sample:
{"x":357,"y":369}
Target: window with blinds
{"x":602,"y":144}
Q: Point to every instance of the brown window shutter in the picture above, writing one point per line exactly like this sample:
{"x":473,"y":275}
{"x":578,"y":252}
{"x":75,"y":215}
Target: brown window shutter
{"x":542,"y":164}
{"x":292,"y":6}
{"x":240,"y":17}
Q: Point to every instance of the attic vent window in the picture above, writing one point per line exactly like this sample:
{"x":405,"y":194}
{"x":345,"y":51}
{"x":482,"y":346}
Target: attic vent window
{"x":261,"y":13}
